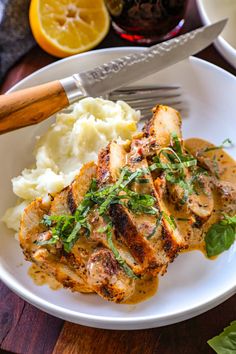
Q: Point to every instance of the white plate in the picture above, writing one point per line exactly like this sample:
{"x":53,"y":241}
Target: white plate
{"x":214,"y":10}
{"x":193,"y":284}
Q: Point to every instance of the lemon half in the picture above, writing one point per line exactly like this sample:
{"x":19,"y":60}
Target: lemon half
{"x":68,"y":27}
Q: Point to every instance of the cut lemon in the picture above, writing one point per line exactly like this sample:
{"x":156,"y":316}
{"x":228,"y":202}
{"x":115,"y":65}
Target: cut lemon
{"x":67,"y":27}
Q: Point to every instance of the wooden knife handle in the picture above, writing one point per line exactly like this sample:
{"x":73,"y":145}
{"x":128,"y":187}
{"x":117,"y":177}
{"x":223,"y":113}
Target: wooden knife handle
{"x":31,"y":106}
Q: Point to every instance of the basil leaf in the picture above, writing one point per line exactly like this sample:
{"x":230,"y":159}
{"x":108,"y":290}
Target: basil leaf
{"x":219,"y":238}
{"x":225,"y":343}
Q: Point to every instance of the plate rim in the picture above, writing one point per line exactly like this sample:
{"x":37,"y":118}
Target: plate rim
{"x":226,"y":49}
{"x":146,"y":321}
{"x":113,"y":49}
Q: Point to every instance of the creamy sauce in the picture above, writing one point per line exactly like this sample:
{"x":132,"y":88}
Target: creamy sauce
{"x":227,"y":165}
{"x":41,"y":278}
{"x":198,"y":247}
{"x":144,"y":289}
{"x":226,"y":172}
{"x":147,"y":287}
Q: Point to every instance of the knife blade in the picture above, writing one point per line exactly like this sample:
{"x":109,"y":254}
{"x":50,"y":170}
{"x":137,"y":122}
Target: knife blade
{"x":122,"y":71}
{"x":35,"y":104}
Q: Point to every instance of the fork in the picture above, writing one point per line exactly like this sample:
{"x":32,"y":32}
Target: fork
{"x":33,"y":105}
{"x":144,"y":98}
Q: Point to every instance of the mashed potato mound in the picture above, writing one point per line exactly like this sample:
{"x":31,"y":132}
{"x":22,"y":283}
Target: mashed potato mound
{"x":75,"y":138}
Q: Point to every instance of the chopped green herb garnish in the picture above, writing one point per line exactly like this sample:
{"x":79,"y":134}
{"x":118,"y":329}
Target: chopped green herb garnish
{"x":216,"y":167}
{"x":68,"y":228}
{"x":196,"y":181}
{"x":174,"y":169}
{"x":176,"y":144}
{"x":141,"y":203}
{"x":111,"y":194}
{"x":227,"y":143}
{"x":142,"y":180}
{"x":170,"y":219}
{"x":173,"y":166}
{"x":158,"y":222}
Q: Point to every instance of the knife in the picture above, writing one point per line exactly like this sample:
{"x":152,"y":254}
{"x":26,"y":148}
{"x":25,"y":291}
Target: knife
{"x":35,"y":104}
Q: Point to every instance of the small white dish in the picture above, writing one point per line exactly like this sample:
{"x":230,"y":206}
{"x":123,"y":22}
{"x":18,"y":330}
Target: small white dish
{"x":193,"y":284}
{"x":214,"y":10}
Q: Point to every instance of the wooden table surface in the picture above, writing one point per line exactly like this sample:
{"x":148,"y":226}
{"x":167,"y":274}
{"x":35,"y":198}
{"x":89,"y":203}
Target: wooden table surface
{"x":27,"y":330}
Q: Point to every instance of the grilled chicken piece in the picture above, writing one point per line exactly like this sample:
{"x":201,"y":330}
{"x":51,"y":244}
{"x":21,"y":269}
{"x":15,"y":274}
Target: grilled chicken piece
{"x":81,"y":185}
{"x":120,"y":286}
{"x":99,"y":223}
{"x":68,"y":269}
{"x":152,"y":255}
{"x":50,"y":258}
{"x":107,"y":278}
{"x":166,"y":241}
{"x":175,"y":240}
{"x":75,"y":269}
{"x":200,"y":203}
{"x":164,"y":122}
{"x":110,"y":160}
{"x":65,"y":203}
{"x":139,"y":247}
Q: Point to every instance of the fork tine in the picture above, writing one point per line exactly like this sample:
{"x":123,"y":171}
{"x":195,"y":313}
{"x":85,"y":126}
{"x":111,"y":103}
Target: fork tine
{"x":142,"y":102}
{"x":141,"y":92}
{"x":143,"y":98}
{"x":146,"y":88}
